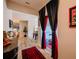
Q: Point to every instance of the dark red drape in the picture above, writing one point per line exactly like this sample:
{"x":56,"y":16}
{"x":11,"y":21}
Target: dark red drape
{"x":52,"y":9}
{"x":56,"y":48}
{"x":45,"y":23}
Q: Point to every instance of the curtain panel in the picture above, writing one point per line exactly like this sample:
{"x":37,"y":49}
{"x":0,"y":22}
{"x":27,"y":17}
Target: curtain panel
{"x":52,"y":10}
{"x":42,"y":21}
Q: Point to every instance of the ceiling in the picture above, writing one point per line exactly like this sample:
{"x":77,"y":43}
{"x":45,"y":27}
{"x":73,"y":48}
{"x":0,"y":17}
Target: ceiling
{"x":32,"y":4}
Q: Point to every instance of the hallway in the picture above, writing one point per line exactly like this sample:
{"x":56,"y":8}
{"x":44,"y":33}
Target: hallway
{"x":48,"y":25}
{"x":24,"y":43}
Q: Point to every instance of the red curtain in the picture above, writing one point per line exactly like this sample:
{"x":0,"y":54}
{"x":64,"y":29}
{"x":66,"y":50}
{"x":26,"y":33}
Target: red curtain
{"x":56,"y":48}
{"x":52,"y":9}
{"x":43,"y":27}
{"x":42,"y":21}
{"x":45,"y":23}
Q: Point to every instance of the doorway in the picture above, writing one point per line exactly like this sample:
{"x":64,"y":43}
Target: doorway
{"x":23,"y":29}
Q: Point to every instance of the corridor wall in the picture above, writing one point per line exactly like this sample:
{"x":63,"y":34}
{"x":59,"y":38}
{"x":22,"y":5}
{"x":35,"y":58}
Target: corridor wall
{"x":66,"y":35}
{"x":7,"y":14}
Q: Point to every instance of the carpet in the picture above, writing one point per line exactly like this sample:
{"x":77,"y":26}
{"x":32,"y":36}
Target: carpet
{"x":32,"y":53}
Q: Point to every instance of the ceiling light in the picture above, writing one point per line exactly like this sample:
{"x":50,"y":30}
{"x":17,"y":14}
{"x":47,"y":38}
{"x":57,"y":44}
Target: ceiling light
{"x":27,"y":3}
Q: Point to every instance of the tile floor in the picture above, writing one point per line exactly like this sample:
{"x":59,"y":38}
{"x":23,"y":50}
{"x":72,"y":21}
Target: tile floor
{"x":24,"y":43}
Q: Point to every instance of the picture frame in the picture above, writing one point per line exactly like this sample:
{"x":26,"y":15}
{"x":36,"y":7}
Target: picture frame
{"x":72,"y":17}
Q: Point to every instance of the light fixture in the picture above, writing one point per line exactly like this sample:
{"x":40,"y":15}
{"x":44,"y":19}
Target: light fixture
{"x":27,"y":3}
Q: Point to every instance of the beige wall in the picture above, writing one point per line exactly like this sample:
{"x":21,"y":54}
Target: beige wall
{"x":7,"y":14}
{"x":66,"y":35}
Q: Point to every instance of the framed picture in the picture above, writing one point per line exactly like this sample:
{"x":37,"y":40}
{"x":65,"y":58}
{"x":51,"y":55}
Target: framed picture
{"x":72,"y":17}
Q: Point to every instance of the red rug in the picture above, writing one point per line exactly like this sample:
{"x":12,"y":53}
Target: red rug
{"x":32,"y":53}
